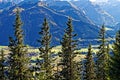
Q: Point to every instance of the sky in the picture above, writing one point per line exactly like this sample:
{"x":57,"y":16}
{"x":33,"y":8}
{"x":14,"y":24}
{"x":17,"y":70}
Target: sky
{"x":90,"y":0}
{"x":103,"y":0}
{"x":99,"y":0}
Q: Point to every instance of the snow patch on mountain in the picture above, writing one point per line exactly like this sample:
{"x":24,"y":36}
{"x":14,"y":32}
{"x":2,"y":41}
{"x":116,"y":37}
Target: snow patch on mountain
{"x":75,"y":7}
{"x":1,"y":11}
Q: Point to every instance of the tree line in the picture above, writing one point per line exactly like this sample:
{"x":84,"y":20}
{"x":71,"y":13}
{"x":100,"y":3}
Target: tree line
{"x":104,"y":65}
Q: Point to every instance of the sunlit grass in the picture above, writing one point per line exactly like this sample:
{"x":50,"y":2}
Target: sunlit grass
{"x":55,"y":50}
{"x":108,"y":29}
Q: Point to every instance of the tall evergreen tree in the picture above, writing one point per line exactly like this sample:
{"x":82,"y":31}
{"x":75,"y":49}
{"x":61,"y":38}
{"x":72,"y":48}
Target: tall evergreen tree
{"x":18,"y":59}
{"x":90,"y":66}
{"x":69,"y":45}
{"x":57,"y":75}
{"x":102,"y":57}
{"x":2,"y":67}
{"x":115,"y":59}
{"x":45,"y":51}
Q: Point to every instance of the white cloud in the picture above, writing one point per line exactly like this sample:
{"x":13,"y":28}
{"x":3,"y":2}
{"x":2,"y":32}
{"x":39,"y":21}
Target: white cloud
{"x":99,"y":0}
{"x":92,"y":0}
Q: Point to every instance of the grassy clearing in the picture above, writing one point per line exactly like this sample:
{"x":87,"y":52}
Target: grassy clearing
{"x":3,"y":47}
{"x":56,"y":50}
{"x":108,"y":29}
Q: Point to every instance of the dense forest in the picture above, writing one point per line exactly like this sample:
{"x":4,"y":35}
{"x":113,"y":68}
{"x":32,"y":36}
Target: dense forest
{"x":103,"y":65}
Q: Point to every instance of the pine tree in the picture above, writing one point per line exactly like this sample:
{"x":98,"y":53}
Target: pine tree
{"x":69,"y":45}
{"x":45,"y":52}
{"x":2,"y":66}
{"x":18,"y":59}
{"x":90,"y":66}
{"x":57,"y":75}
{"x":115,"y":59}
{"x":102,"y":57}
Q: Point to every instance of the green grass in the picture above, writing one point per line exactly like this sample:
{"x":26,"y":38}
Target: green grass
{"x":55,"y":50}
{"x":3,"y":47}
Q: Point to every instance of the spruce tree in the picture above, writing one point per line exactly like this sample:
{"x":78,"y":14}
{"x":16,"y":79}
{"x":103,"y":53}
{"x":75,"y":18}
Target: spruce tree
{"x":115,"y":59}
{"x":57,"y":75}
{"x":69,"y":45}
{"x":102,"y":57}
{"x":18,"y":59}
{"x":90,"y":66}
{"x":45,"y":52}
{"x":2,"y":66}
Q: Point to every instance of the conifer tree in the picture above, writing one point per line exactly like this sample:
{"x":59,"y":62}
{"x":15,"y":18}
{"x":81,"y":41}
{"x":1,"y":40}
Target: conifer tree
{"x":69,"y":45}
{"x":79,"y":67}
{"x":2,"y":67}
{"x":102,"y":57}
{"x":45,"y":52}
{"x":57,"y":75}
{"x":115,"y":59}
{"x":90,"y":66}
{"x":18,"y":59}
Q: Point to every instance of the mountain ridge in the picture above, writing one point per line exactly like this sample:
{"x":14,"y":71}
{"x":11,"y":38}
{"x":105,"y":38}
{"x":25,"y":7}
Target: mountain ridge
{"x":33,"y":13}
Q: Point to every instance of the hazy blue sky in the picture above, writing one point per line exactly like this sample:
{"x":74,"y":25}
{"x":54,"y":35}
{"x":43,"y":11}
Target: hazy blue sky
{"x":99,"y":0}
{"x":90,"y":0}
{"x":103,"y":0}
{"x":77,"y":0}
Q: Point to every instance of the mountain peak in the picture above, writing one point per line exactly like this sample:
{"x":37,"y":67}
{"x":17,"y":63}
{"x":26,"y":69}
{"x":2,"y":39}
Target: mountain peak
{"x":15,"y":1}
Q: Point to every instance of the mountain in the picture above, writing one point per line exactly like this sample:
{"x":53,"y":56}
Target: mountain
{"x":113,"y":8}
{"x":14,"y":1}
{"x":69,"y":9}
{"x":95,"y":12}
{"x":5,"y":5}
{"x":92,"y":11}
{"x":33,"y":14}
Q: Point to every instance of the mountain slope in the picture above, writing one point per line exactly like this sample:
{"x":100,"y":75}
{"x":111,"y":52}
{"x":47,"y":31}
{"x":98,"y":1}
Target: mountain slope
{"x":14,"y":1}
{"x":4,"y":5}
{"x":94,"y":12}
{"x":69,"y":9}
{"x":32,"y":16}
{"x":113,"y":8}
